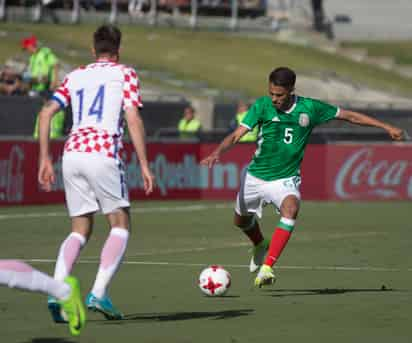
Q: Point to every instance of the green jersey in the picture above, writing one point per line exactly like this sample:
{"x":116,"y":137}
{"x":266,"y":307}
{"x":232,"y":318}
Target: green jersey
{"x":283,"y":135}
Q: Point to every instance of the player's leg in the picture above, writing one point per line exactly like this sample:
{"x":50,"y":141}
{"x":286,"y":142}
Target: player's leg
{"x":111,"y":191}
{"x":81,"y":204}
{"x":285,"y":195}
{"x":71,"y":247}
{"x":248,"y":206}
{"x":110,"y":260}
{"x":250,"y":227}
{"x":289,"y":211}
{"x":68,"y":254}
{"x":20,"y":275}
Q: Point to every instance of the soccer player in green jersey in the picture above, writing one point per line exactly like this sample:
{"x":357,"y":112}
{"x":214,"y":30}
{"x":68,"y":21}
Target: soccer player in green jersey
{"x":285,"y":123}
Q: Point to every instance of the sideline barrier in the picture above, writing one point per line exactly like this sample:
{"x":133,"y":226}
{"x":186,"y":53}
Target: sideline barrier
{"x":329,"y":172}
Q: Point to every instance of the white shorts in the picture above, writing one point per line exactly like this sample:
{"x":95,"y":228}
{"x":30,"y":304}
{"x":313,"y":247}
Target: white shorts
{"x":255,"y":193}
{"x":93,"y":182}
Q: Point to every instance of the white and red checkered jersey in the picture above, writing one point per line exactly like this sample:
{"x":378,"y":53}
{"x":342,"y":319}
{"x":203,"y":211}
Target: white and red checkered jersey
{"x":98,"y":93}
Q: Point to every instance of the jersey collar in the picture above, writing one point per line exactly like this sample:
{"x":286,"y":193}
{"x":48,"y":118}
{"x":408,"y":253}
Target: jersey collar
{"x":295,"y":101}
{"x":105,"y":60}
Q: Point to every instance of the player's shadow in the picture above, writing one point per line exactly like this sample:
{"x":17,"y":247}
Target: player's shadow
{"x":325,"y":291}
{"x":48,"y":340}
{"x":177,"y":316}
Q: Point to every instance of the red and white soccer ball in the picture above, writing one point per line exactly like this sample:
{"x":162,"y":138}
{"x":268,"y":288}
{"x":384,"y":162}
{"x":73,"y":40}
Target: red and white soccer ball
{"x":214,"y":281}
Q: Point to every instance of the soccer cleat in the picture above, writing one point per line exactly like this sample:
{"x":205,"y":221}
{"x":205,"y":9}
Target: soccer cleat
{"x":73,"y":307}
{"x":104,"y":306}
{"x":265,"y":276}
{"x":259,"y":253}
{"x":55,"y":310}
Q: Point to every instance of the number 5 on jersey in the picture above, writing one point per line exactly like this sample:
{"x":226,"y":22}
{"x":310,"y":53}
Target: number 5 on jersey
{"x":288,"y":138}
{"x":96,"y":109}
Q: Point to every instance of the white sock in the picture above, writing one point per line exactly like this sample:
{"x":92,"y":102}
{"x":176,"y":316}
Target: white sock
{"x":110,"y":259}
{"x":68,"y":254}
{"x":17,"y":274}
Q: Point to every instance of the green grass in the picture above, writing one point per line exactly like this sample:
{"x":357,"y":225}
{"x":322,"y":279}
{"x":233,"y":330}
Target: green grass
{"x":223,"y":60}
{"x":312,"y":300}
{"x":401,"y":51}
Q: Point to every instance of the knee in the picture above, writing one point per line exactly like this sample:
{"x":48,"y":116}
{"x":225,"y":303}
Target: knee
{"x":290,"y":211}
{"x":119,"y":218}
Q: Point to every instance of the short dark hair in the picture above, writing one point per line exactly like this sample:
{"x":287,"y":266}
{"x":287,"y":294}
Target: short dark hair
{"x":191,"y":108}
{"x":106,"y":40}
{"x":283,"y":76}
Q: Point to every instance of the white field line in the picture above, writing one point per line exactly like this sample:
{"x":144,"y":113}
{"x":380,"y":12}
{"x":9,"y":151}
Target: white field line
{"x":184,"y":250}
{"x":182,"y":208}
{"x":180,"y":264}
{"x":243,"y":244}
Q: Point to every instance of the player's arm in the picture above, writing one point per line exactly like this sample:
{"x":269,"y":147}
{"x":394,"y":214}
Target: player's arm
{"x":225,"y":145}
{"x":46,"y":176}
{"x":362,"y":119}
{"x":137,"y":135}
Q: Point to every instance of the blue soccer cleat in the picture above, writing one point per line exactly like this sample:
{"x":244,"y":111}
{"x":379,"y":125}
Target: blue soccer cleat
{"x":104,"y":306}
{"x":55,"y":310}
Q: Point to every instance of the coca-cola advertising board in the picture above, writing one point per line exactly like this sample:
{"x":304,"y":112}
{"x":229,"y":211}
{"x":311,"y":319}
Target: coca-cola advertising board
{"x":369,"y":172}
{"x":329,"y":172}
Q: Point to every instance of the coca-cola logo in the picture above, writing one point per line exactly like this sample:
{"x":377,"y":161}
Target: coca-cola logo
{"x":366,"y":174}
{"x":12,"y":175}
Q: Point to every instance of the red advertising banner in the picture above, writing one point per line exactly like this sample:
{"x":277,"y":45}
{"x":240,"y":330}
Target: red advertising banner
{"x":369,"y":172}
{"x":329,"y":172}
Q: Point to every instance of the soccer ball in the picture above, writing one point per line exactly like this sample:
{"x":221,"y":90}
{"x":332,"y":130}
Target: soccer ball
{"x":214,"y":281}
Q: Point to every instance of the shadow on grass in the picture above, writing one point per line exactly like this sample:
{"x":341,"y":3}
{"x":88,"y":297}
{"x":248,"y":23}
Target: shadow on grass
{"x":326,"y":291}
{"x":48,"y":340}
{"x":177,"y":316}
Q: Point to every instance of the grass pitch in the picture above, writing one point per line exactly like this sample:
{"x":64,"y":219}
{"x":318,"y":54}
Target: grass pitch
{"x":345,"y":276}
{"x":399,"y":50}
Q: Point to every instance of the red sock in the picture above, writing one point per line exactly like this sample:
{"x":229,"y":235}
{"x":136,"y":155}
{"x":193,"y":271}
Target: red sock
{"x":279,"y":240}
{"x":254,"y":234}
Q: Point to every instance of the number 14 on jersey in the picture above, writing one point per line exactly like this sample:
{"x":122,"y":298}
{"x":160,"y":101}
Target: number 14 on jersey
{"x":96,"y":108}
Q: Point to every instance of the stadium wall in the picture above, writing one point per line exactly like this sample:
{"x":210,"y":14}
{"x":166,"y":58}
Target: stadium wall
{"x":330,"y":172}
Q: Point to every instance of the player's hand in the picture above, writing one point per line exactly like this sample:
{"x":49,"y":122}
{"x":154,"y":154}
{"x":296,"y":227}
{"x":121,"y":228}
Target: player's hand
{"x":46,"y":176}
{"x":211,"y":159}
{"x":395,"y":133}
{"x":148,"y":180}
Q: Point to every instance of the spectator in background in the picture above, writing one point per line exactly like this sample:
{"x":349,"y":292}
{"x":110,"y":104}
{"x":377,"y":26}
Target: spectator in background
{"x":135,"y":7}
{"x":318,"y":15}
{"x":189,"y":126}
{"x":42,"y":77}
{"x":43,"y":67}
{"x":241,"y":112}
{"x":10,"y":82}
{"x":320,"y":23}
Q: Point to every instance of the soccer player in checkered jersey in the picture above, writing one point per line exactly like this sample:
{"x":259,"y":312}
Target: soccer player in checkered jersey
{"x":93,"y":172}
{"x":285,"y":123}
